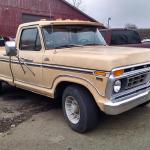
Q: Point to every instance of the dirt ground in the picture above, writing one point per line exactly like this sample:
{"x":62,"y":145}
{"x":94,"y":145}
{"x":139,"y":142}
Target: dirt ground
{"x":33,"y":122}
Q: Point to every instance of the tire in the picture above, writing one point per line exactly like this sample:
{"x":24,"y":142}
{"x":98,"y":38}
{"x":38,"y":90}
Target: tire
{"x":84,"y":110}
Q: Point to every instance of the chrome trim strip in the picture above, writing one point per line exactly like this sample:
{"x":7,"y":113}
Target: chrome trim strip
{"x":80,"y":79}
{"x":60,"y":67}
{"x":66,"y":68}
{"x":109,"y":87}
{"x":133,"y":73}
{"x":130,"y":66}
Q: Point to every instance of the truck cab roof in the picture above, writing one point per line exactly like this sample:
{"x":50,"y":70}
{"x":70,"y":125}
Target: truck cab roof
{"x":61,"y":22}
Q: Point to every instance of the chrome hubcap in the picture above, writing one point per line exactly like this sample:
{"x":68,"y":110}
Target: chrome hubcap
{"x":72,"y":109}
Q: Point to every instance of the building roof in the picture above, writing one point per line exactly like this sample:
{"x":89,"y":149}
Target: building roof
{"x":91,"y":18}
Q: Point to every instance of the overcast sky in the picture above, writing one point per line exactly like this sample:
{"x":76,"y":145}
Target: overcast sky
{"x":121,"y":11}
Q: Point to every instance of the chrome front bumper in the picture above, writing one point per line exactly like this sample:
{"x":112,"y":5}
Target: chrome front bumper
{"x":119,"y":107}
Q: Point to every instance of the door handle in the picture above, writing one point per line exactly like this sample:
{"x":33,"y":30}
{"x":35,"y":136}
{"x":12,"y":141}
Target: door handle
{"x":46,"y":59}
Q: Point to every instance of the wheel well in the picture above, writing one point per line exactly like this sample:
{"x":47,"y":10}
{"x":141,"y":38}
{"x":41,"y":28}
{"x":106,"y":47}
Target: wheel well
{"x":61,"y":87}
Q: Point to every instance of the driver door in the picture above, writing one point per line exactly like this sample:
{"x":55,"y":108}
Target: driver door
{"x":28,"y":67}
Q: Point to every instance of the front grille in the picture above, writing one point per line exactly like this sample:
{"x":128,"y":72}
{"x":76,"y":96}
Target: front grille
{"x":137,"y":68}
{"x":136,"y":80}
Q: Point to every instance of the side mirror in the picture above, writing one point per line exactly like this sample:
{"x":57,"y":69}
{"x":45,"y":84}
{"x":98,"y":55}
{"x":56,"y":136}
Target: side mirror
{"x":10,"y":47}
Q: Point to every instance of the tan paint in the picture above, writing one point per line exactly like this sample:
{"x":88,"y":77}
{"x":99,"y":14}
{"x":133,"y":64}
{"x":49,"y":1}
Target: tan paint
{"x":94,"y":58}
{"x":101,"y":57}
{"x":61,"y":22}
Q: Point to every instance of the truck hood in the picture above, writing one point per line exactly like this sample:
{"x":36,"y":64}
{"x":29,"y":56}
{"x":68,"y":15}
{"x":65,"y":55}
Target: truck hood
{"x":101,"y":57}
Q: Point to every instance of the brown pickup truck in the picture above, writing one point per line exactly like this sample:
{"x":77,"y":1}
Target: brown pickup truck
{"x":123,"y":37}
{"x":69,"y":62}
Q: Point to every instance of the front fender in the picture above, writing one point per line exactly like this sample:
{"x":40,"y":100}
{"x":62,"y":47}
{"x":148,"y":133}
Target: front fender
{"x":81,"y":81}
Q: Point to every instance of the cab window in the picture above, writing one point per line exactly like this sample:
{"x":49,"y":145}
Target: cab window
{"x":30,"y":40}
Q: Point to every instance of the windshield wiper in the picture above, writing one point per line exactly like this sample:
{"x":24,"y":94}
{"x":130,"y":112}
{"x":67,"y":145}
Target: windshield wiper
{"x":69,"y":46}
{"x":92,"y":44}
{"x":76,"y":45}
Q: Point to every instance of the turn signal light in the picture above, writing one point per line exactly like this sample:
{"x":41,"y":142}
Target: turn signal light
{"x":99,"y":73}
{"x":118,"y":73}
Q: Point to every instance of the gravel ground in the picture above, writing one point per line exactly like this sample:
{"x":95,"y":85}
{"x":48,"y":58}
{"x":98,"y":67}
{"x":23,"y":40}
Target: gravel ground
{"x":30,"y":121}
{"x":17,"y":106}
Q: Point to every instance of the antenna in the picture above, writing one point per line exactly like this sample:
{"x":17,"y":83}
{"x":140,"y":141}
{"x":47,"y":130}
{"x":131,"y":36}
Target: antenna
{"x":50,"y":10}
{"x":50,"y":13}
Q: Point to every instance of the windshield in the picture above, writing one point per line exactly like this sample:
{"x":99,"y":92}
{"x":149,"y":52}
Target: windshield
{"x":125,"y":37}
{"x":69,"y":36}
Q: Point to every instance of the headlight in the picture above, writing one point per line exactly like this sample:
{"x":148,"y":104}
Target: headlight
{"x":117,"y":86}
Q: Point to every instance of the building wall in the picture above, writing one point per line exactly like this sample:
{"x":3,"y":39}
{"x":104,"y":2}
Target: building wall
{"x":11,"y":12}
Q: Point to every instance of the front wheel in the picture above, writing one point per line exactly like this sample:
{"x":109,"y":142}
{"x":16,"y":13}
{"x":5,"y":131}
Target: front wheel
{"x":79,"y":108}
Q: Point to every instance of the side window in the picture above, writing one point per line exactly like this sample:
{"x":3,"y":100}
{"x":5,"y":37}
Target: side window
{"x":30,"y":40}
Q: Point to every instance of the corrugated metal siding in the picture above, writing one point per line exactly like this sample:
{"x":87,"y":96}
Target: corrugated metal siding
{"x":11,"y":12}
{"x":28,"y":18}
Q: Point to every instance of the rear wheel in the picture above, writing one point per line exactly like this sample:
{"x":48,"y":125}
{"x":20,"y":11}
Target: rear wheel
{"x":79,"y":108}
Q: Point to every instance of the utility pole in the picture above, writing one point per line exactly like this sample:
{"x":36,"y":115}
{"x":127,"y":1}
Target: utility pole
{"x":109,"y":19}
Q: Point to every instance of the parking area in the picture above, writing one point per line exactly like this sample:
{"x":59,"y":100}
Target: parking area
{"x":30,"y":121}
